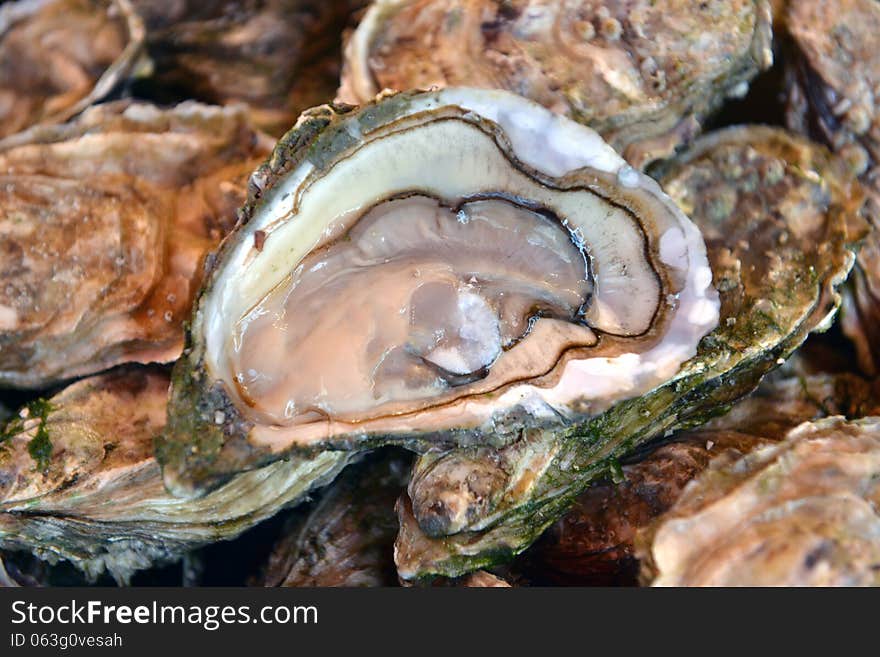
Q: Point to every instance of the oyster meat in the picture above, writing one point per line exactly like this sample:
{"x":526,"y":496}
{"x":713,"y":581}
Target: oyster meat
{"x":643,"y":74}
{"x":435,"y":268}
{"x":78,"y":481}
{"x":57,"y":57}
{"x":277,"y":56}
{"x":104,"y":223}
{"x":781,"y":218}
{"x":801,"y":513}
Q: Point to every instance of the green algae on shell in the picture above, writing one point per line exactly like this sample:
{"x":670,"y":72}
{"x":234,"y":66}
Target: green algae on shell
{"x":98,"y":500}
{"x":781,"y":220}
{"x":433,"y":269}
{"x":595,"y":542}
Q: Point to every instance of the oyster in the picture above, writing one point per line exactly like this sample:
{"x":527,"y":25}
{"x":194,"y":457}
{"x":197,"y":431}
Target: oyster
{"x":834,"y":95}
{"x":834,"y":78}
{"x":643,"y":74}
{"x":780,"y":217}
{"x":104,"y":225}
{"x":595,"y":541}
{"x":78,"y":481}
{"x":436,"y":268}
{"x":277,"y":56}
{"x":57,"y":57}
{"x":803,"y":512}
{"x":347,"y":539}
{"x":861,"y":316}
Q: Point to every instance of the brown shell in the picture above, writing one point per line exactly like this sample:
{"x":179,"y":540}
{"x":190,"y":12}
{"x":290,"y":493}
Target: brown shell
{"x":103,"y":228}
{"x":278,"y":57}
{"x":800,"y":513}
{"x":643,"y":74}
{"x":57,"y":57}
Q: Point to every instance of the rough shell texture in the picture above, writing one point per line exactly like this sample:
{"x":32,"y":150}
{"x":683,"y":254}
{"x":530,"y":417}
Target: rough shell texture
{"x":104,"y":225}
{"x":595,"y":542}
{"x":833,"y":74}
{"x":801,"y":513}
{"x":780,"y":217}
{"x":347,"y":537}
{"x":57,"y":57}
{"x":78,"y":481}
{"x":643,"y":74}
{"x":278,"y":56}
{"x":861,"y":309}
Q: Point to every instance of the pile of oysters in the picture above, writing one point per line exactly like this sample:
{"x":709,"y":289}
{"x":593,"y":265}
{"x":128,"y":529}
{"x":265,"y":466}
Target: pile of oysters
{"x":440,"y":292}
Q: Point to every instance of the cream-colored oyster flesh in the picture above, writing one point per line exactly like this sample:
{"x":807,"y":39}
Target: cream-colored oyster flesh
{"x":781,"y":220}
{"x":801,"y":513}
{"x":57,"y":57}
{"x":104,"y":224}
{"x":434,"y":268}
{"x":78,"y":481}
{"x":643,"y":74}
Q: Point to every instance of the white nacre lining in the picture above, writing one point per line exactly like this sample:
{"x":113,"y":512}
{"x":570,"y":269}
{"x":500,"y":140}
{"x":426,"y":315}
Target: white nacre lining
{"x":549,"y":144}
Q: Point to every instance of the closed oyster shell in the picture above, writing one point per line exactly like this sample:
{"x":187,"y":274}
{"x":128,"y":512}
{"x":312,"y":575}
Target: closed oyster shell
{"x":57,"y":57}
{"x":104,"y":223}
{"x":451,"y":267}
{"x":781,"y":218}
{"x":78,"y":481}
{"x":347,"y":538}
{"x":595,"y":542}
{"x":278,"y":57}
{"x":833,"y":74}
{"x":861,"y":309}
{"x":643,"y":74}
{"x":801,"y":513}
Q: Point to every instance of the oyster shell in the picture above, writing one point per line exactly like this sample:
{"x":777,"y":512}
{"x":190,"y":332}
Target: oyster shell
{"x":801,"y":513}
{"x":595,"y":542}
{"x":643,"y":74}
{"x":347,"y":539}
{"x":861,"y":306}
{"x":57,"y":57}
{"x":104,"y":225}
{"x":780,"y":217}
{"x":277,"y":56}
{"x":78,"y":481}
{"x":833,"y":75}
{"x":520,"y":276}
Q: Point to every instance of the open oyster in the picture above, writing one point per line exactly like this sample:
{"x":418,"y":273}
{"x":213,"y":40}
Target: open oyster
{"x":643,"y":74}
{"x":595,"y":542}
{"x":104,"y":223}
{"x":277,"y":56}
{"x":437,"y":268}
{"x":78,"y":481}
{"x":803,"y":512}
{"x":347,"y":539}
{"x":57,"y":57}
{"x":780,"y":216}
